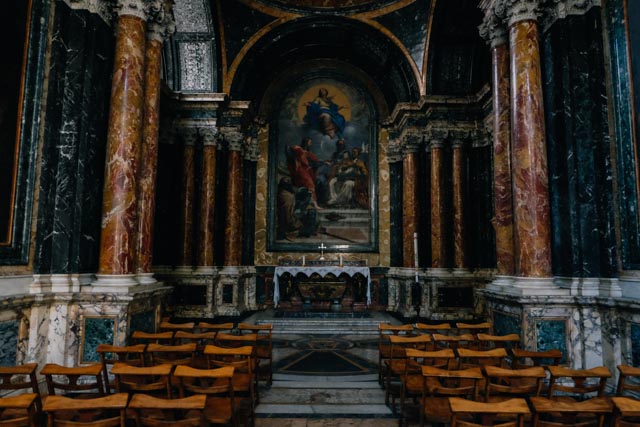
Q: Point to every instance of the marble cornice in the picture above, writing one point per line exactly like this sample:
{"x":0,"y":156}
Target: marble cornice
{"x":103,"y":8}
{"x":560,"y":9}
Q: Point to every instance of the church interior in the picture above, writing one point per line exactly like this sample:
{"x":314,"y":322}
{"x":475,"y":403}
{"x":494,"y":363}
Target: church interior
{"x":209,"y":160}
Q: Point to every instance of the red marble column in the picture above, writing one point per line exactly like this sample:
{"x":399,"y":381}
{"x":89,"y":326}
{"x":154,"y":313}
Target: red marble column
{"x":149,"y":152}
{"x":409,"y":205}
{"x":207,"y":200}
{"x":438,"y":246}
{"x":503,"y":200}
{"x":529,"y":157}
{"x":458,"y":184}
{"x":189,"y":135}
{"x":233,"y":225}
{"x":119,"y":207}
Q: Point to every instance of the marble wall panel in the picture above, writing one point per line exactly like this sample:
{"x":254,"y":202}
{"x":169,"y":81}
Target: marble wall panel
{"x":552,"y":334}
{"x":634,"y":335}
{"x":96,"y":331}
{"x":144,"y":321}
{"x":504,"y":324}
{"x":196,"y":66}
{"x":9,"y":339}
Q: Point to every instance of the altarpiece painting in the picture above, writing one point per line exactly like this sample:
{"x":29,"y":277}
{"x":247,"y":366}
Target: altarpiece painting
{"x":323,"y":169}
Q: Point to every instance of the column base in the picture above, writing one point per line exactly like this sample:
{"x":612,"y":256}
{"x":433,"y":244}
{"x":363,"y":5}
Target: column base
{"x":534,"y":286}
{"x":114,"y":283}
{"x":205,"y":270}
{"x":145,"y":278}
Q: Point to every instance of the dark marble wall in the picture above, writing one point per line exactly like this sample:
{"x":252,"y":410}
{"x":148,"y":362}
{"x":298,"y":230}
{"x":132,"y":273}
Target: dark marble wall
{"x":621,"y":103}
{"x":74,"y":143}
{"x":248,"y":212}
{"x":395,"y":207}
{"x":16,"y":251}
{"x":9,"y":337}
{"x":480,"y":234}
{"x":580,"y":171}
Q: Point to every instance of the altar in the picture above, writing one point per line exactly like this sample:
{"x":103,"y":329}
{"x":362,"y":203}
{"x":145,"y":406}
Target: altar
{"x":330,"y":288}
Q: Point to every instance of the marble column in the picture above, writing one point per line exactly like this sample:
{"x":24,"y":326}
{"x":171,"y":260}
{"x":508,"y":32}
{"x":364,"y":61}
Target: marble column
{"x":233,"y":224}
{"x":459,"y":201}
{"x":502,"y":221}
{"x":206,"y":252}
{"x":409,"y":203}
{"x":119,"y":204}
{"x":157,"y":31}
{"x":438,"y":244}
{"x":529,"y":154}
{"x":189,"y":134}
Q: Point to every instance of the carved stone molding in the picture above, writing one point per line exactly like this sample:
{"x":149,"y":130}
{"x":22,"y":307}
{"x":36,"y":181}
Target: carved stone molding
{"x":493,"y":29}
{"x":162,"y":25}
{"x":143,"y":9}
{"x":104,"y":8}
{"x":411,"y":141}
{"x":437,"y":137}
{"x":209,"y":132}
{"x":252,"y":150}
{"x":394,"y":151}
{"x":514,"y":11}
{"x":560,"y":9}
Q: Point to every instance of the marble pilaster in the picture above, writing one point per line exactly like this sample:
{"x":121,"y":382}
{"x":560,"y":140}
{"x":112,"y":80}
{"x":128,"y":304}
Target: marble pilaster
{"x":529,"y":170}
{"x":119,"y":206}
{"x":189,"y":133}
{"x":459,"y":202}
{"x":233,"y":222}
{"x":503,"y":198}
{"x":438,"y":244}
{"x":205,"y":260}
{"x":409,"y":203}
{"x":156,"y":33}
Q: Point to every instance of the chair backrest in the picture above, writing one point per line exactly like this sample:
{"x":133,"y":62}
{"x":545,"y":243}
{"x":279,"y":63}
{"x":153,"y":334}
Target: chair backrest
{"x":474,"y":328}
{"x":183,"y":354}
{"x":470,"y":358}
{"x":488,"y":342}
{"x":468,"y":413}
{"x":199,"y":338}
{"x":264,"y":336}
{"x":444,"y":382}
{"x":425,"y":328}
{"x":526,"y":358}
{"x":416,"y":359}
{"x":107,"y":411}
{"x":513,"y":382}
{"x":133,"y":355}
{"x":579,"y":382}
{"x":628,"y":380}
{"x":157,"y":412}
{"x":67,"y":380}
{"x":174,"y":327}
{"x":453,"y":341}
{"x":215,"y":327}
{"x":417,"y":342}
{"x":21,"y":377}
{"x":217,"y":381}
{"x":241,"y":358}
{"x":155,"y":380}
{"x":141,"y":337}
{"x":230,"y":340}
{"x":559,"y":412}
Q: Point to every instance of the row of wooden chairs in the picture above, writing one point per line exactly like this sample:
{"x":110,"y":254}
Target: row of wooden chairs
{"x":222,"y":334}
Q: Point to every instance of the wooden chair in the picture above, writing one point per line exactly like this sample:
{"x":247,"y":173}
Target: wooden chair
{"x":215,"y":327}
{"x":502,"y":384}
{"x":264,"y":348}
{"x":628,"y":380}
{"x":152,"y":411}
{"x":487,"y":342}
{"x":166,"y":326}
{"x":412,"y":379}
{"x":440,"y":384}
{"x":200,"y":339}
{"x":25,"y":408}
{"x":395,"y":365}
{"x":525,"y":358}
{"x":577,"y":384}
{"x":107,"y":411}
{"x":224,"y":339}
{"x":474,"y":328}
{"x":467,"y":413}
{"x":425,"y":328}
{"x":223,"y":406}
{"x":626,"y":411}
{"x":133,"y":355}
{"x":155,"y":380}
{"x":140,"y":337}
{"x":555,"y":413}
{"x":453,"y":341}
{"x":68,"y":380}
{"x":471,"y":358}
{"x":183,"y":354}
{"x":386,"y":330}
{"x":242,"y":360}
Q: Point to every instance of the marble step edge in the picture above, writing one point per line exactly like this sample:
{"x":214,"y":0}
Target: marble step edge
{"x":266,"y":410}
{"x":326,"y":379}
{"x":312,"y":385}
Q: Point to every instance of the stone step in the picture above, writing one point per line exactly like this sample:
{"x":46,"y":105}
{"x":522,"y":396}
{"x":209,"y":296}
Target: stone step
{"x":268,"y":410}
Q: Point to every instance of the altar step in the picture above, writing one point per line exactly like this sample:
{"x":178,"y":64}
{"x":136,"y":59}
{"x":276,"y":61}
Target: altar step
{"x":325,"y":323}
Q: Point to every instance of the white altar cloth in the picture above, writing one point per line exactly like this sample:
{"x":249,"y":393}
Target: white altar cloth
{"x":322,"y":270}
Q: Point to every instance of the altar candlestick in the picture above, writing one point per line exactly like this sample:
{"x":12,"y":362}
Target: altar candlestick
{"x":340,"y":260}
{"x":303,"y":260}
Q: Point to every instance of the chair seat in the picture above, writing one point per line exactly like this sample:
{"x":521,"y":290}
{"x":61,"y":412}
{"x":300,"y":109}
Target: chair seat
{"x":22,"y":401}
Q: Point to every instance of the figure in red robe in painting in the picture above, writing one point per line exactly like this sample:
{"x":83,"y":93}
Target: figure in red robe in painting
{"x":302,"y":164}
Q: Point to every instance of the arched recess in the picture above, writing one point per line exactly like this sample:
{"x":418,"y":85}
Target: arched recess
{"x":359,"y":46}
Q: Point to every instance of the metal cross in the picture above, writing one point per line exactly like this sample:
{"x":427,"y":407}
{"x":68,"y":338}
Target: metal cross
{"x":322,"y":247}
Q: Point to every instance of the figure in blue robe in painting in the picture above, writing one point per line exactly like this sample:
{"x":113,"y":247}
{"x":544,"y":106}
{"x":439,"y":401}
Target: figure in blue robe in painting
{"x":324,"y":114}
